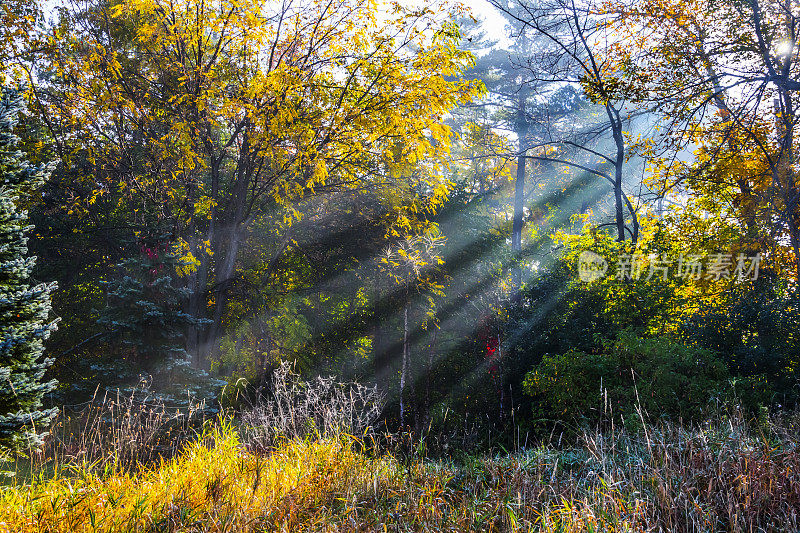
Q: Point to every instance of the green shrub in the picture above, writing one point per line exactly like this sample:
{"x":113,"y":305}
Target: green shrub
{"x":664,"y":377}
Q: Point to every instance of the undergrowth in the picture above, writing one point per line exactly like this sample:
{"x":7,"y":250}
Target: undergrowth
{"x":723,"y":476}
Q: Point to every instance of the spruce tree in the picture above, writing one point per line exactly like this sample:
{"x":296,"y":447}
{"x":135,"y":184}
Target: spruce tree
{"x":146,"y":324}
{"x":145,"y":308}
{"x":24,"y":306}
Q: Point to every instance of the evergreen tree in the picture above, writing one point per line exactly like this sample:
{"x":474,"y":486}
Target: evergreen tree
{"x":145,"y":307}
{"x":24,"y":307}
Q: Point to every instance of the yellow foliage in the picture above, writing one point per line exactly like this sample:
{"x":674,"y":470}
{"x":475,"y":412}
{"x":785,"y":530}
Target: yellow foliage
{"x":275,"y":100}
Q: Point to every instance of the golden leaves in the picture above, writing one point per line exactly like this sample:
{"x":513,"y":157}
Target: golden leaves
{"x":324,"y":95}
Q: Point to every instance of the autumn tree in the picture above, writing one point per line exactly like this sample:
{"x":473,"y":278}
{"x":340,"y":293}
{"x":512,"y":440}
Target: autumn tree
{"x":510,"y":91}
{"x":17,"y":19}
{"x":722,"y":77}
{"x":210,"y":116}
{"x":413,"y":265}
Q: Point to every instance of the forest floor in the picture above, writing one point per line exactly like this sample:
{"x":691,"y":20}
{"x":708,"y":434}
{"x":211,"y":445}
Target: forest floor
{"x":717,"y":477}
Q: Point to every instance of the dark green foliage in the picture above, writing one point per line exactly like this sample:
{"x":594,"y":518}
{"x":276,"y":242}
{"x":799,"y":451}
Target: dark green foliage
{"x":24,"y":307}
{"x":558,"y":313}
{"x":663,"y":376}
{"x":756,"y":330}
{"x":80,"y":253}
{"x":145,"y":308}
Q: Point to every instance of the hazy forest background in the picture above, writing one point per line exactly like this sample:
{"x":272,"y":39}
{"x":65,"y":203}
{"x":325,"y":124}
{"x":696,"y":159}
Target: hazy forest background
{"x":447,"y":260}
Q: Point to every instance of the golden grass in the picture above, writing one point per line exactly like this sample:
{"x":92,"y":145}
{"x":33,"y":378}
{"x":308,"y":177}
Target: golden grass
{"x":213,"y":486}
{"x":673,"y":480}
{"x":216,"y":485}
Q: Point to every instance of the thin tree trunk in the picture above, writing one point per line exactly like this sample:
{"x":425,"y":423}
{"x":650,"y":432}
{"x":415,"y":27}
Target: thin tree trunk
{"x":791,"y":192}
{"x":404,"y":371}
{"x":429,"y":372}
{"x":500,"y":376}
{"x":619,"y":161}
{"x":519,"y":197}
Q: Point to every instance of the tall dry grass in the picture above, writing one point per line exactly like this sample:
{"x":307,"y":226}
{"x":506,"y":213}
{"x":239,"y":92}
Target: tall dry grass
{"x":115,"y":431}
{"x":130,"y":462}
{"x":722,"y":476}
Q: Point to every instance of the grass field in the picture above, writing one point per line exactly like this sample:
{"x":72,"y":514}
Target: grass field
{"x":721,"y":477}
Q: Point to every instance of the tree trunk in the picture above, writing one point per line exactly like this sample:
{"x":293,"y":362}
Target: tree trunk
{"x":784,"y":175}
{"x":519,"y":198}
{"x":500,"y":375}
{"x":226,"y":254}
{"x":198,"y":283}
{"x":619,"y":162}
{"x":404,"y":370}
{"x":429,"y":372}
{"x":226,"y":233}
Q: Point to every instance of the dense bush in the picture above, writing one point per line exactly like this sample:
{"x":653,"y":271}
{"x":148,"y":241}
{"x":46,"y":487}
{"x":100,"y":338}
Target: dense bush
{"x":662,"y":376}
{"x":756,"y":330}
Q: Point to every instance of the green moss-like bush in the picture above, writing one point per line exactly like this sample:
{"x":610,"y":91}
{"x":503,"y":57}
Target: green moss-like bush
{"x":662,"y":376}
